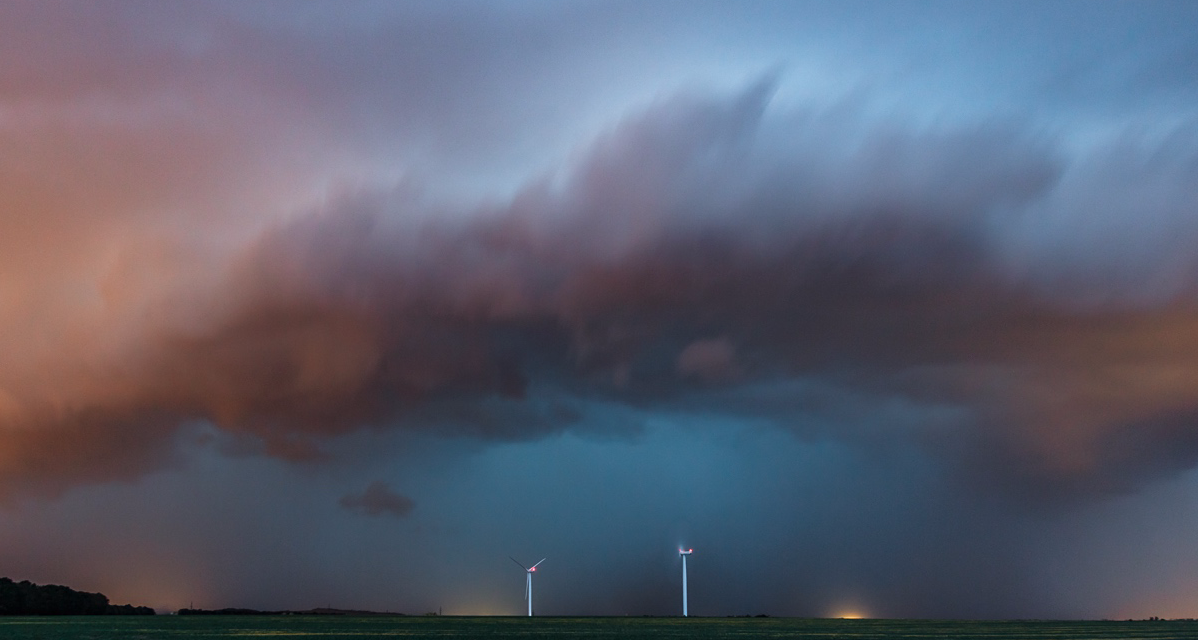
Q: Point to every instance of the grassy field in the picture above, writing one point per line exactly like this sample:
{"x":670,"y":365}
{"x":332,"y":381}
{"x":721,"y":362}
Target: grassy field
{"x":352,"y":628}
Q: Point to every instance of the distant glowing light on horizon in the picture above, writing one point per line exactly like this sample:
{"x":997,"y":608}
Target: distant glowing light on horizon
{"x":853,"y":612}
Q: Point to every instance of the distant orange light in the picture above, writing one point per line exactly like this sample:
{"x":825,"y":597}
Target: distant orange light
{"x":850,"y":613}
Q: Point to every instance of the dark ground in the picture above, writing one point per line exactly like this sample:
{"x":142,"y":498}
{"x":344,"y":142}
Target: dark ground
{"x":541,"y":628}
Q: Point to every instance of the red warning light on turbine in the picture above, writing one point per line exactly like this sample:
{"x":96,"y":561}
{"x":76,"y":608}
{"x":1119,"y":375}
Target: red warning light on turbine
{"x":533,"y":569}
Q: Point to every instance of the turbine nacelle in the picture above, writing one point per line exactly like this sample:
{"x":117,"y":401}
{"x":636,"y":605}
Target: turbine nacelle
{"x":685,"y":552}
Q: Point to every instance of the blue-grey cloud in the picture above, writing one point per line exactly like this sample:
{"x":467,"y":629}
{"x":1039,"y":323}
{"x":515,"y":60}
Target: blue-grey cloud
{"x":378,"y":499}
{"x":891,"y":264}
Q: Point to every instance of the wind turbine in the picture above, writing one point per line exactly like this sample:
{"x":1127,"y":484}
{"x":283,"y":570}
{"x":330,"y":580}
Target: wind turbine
{"x":684,"y":554}
{"x":528,"y":588}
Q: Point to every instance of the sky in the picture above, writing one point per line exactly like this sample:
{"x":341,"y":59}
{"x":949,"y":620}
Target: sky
{"x":885,"y":308}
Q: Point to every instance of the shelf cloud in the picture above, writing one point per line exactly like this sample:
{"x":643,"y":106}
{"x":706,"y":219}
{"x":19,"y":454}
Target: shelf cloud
{"x":400,"y":245}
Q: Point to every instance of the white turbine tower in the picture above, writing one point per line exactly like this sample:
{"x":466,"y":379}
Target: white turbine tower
{"x":684,"y":554}
{"x":528,"y":584}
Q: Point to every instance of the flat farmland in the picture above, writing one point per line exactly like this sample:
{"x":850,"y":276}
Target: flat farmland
{"x":357,"y":628}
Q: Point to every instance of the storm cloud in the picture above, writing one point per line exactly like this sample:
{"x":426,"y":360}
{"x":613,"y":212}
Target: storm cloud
{"x":695,"y":238}
{"x":267,"y":238}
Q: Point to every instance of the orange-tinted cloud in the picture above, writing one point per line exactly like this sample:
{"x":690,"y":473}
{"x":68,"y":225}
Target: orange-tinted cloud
{"x":169,"y":257}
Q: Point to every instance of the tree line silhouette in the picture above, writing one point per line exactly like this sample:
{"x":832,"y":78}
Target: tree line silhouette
{"x":27,"y":599}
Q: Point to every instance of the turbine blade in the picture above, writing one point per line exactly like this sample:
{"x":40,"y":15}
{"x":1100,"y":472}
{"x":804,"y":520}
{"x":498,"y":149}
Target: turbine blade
{"x":538,"y":562}
{"x":518,"y":564}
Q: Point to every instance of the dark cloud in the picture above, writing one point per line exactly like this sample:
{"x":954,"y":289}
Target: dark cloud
{"x":378,"y":500}
{"x":887,"y":265}
{"x":711,"y":360}
{"x":937,"y":272}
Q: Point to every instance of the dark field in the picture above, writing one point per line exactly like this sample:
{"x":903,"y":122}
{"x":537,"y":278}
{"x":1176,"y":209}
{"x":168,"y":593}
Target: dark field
{"x":339,"y":627}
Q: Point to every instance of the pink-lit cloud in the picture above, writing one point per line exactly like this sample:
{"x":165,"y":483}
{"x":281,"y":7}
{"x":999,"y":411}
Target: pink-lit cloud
{"x":888,"y":261}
